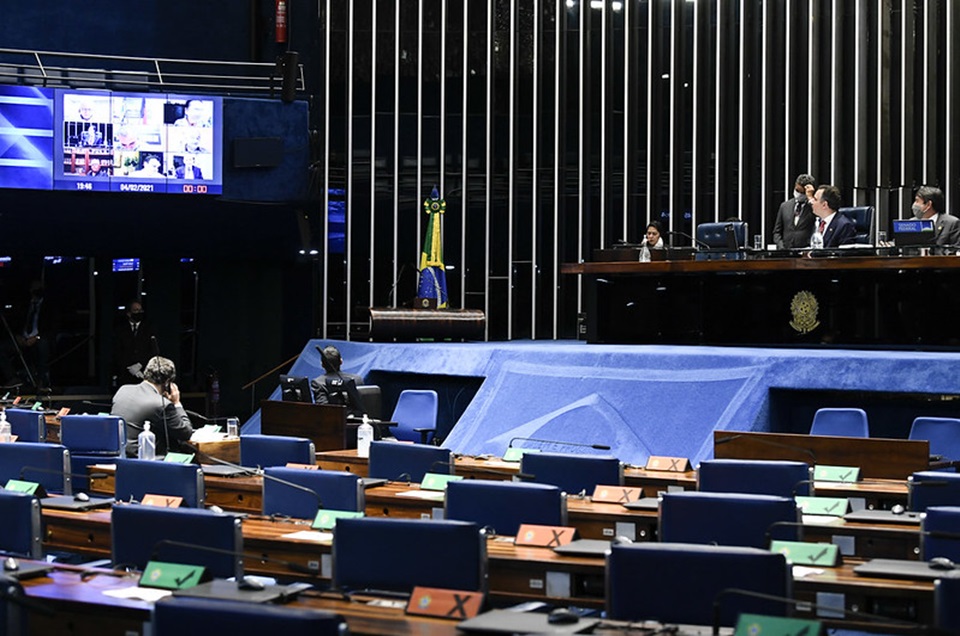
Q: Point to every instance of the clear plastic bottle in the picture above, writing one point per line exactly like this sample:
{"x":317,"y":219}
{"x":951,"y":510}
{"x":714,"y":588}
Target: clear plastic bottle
{"x":233,"y":427}
{"x":816,"y":240}
{"x":4,"y":427}
{"x":146,"y":443}
{"x":364,"y":437}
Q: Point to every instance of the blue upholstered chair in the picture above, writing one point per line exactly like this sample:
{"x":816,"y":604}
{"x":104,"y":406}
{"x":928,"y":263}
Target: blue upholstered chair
{"x":182,"y":616}
{"x":573,"y":473}
{"x":727,"y":518}
{"x":17,"y":460}
{"x":138,"y":477}
{"x":840,"y":422}
{"x":940,"y":536}
{"x":679,"y":583}
{"x":396,"y":461}
{"x":336,"y":490}
{"x":862,"y":217}
{"x":137,"y":533}
{"x":504,"y":505}
{"x":722,"y":241}
{"x":943,"y":433}
{"x":932,"y":488}
{"x":946,"y":610}
{"x":28,"y":425}
{"x":92,"y":439}
{"x":275,"y":450}
{"x":20,"y":529}
{"x":416,"y":416}
{"x":378,"y":553}
{"x":756,"y":477}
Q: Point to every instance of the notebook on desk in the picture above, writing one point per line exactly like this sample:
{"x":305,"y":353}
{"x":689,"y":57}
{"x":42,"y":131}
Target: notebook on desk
{"x":372,"y":482}
{"x":220,"y":470}
{"x":584,"y":548}
{"x":903,"y":569}
{"x":67,"y":502}
{"x":907,"y":517}
{"x":507,"y":622}
{"x":644,"y":503}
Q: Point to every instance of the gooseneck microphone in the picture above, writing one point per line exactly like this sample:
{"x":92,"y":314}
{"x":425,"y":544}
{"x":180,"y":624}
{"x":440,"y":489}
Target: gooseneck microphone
{"x":558,"y":442}
{"x":258,"y":472}
{"x":693,"y":239}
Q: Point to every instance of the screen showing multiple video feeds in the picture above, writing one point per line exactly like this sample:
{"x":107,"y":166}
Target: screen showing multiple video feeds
{"x":138,"y":143}
{"x":102,"y":141}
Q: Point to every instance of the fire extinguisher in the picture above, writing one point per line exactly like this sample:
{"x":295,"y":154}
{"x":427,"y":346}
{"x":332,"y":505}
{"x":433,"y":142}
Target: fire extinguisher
{"x":280,"y":17}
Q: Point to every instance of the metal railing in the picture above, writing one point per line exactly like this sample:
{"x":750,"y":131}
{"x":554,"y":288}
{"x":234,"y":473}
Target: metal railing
{"x":86,"y":71}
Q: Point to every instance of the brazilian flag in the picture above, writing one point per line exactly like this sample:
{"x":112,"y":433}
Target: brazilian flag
{"x":433,"y":279}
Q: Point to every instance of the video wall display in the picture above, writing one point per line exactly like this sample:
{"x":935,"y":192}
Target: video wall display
{"x":103,"y":141}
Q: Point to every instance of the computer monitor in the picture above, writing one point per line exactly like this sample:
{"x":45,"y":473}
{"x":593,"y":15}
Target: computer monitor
{"x":910,"y":232}
{"x":295,"y":388}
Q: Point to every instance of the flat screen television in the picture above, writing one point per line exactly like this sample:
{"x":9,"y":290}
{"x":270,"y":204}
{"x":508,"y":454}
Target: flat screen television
{"x":295,"y":388}
{"x":137,"y":142}
{"x":26,"y":137}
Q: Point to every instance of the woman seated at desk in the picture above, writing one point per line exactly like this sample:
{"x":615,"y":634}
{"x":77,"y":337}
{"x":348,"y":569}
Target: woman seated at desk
{"x":653,"y":240}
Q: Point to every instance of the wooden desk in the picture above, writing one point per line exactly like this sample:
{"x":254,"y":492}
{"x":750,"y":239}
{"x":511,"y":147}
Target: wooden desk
{"x":226,"y":449}
{"x":324,"y":424}
{"x":877,"y":458}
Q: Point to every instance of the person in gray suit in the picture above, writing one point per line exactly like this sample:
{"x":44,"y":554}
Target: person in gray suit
{"x":794,"y":223}
{"x":928,"y":204}
{"x":155,"y":400}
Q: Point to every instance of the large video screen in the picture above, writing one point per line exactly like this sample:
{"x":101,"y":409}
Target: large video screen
{"x":132,"y":142}
{"x":26,"y":137}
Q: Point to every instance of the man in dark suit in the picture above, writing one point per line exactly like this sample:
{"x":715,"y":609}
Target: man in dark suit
{"x":336,"y":387}
{"x":928,"y":204}
{"x":835,"y":228}
{"x":155,"y":400}
{"x":794,"y":223}
{"x":132,"y":345}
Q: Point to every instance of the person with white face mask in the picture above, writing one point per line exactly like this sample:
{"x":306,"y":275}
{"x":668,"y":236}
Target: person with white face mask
{"x":928,"y":204}
{"x":794,"y":222}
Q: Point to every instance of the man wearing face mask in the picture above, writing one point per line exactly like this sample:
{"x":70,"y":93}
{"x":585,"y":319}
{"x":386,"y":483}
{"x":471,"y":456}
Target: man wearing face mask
{"x":132,"y":345}
{"x":928,"y":204}
{"x":794,"y":222}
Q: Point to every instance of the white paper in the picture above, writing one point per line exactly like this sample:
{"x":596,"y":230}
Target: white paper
{"x":311,"y":535}
{"x":429,"y":495}
{"x":136,"y":593}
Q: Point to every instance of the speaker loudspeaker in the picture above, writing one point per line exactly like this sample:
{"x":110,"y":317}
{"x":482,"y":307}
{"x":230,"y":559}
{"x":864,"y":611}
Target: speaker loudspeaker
{"x":290,"y":69}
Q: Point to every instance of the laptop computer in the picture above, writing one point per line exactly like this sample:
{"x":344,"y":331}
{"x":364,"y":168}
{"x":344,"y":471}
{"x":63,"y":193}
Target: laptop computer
{"x":584,"y":548}
{"x":68,"y":502}
{"x":507,"y":622}
{"x":907,"y":517}
{"x":914,"y":232}
{"x":903,"y":569}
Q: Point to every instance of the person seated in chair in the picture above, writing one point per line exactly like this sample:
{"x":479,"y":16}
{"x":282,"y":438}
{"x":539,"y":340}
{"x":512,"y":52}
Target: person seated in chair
{"x":336,"y":387}
{"x":836,"y":229}
{"x":155,"y":400}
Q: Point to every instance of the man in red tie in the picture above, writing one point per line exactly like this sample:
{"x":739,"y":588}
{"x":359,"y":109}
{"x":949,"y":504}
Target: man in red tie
{"x":835,"y":228}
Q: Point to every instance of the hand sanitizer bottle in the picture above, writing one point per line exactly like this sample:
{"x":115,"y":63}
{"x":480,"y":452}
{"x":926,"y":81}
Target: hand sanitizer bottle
{"x":146,"y":443}
{"x":364,"y":437}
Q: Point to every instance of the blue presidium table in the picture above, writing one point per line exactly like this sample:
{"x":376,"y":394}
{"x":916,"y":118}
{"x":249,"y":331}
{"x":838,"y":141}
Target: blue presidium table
{"x":835,"y":297}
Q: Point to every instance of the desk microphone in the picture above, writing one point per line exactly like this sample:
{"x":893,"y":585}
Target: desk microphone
{"x":100,"y":405}
{"x":242,"y":582}
{"x":768,"y":533}
{"x":204,"y":417}
{"x":258,"y":472}
{"x":795,"y":602}
{"x":558,"y":442}
{"x":768,"y":442}
{"x":486,"y":471}
{"x":692,"y":239}
{"x":795,"y":490}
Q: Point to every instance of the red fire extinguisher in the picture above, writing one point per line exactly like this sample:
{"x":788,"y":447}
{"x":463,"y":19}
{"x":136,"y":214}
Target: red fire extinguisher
{"x":280,"y":17}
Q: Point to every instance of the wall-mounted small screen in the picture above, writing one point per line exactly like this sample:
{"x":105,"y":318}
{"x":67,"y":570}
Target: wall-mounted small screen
{"x":137,"y":142}
{"x":126,"y":264}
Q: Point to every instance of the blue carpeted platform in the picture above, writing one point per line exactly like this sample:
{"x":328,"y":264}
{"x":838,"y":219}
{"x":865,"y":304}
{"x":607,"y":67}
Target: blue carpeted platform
{"x":641,"y":400}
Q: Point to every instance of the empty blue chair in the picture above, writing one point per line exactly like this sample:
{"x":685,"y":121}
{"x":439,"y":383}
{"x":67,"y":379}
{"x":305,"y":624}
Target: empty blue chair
{"x":840,"y":422}
{"x":399,"y":462}
{"x":416,"y":416}
{"x":377,"y":553}
{"x":46,"y":464}
{"x":862,"y":217}
{"x":722,"y":241}
{"x":138,"y":477}
{"x":754,"y":476}
{"x":335,"y":490}
{"x":573,"y":473}
{"x":940,"y":533}
{"x":92,"y":439}
{"x":28,"y":425}
{"x":504,"y":505}
{"x":139,"y":534}
{"x":679,"y":583}
{"x":727,"y":518}
{"x":183,"y":616}
{"x":946,"y":610}
{"x":275,"y":450}
{"x":943,"y":433}
{"x":20,"y":529}
{"x":932,"y":488}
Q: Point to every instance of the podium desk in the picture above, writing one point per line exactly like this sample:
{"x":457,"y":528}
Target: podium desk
{"x":324,"y":424}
